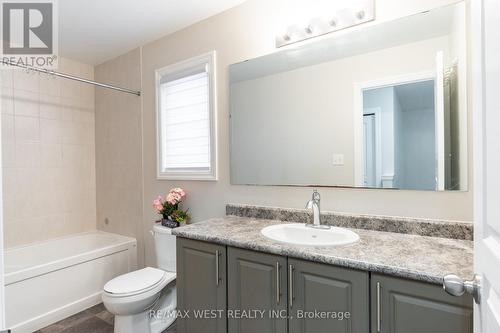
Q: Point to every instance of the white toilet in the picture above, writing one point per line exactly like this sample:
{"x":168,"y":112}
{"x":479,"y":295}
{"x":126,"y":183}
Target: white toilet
{"x":145,"y":300}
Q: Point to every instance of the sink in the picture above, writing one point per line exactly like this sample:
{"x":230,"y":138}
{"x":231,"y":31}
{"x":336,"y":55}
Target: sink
{"x":300,"y":234}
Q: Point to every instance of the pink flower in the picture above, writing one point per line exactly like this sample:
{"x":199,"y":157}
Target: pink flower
{"x":158,"y":203}
{"x":179,"y":191}
{"x":173,"y":198}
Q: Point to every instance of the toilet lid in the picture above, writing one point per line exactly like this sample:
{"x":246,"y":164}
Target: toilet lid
{"x":135,"y":281}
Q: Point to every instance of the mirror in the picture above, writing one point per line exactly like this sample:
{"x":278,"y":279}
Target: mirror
{"x":380,"y":106}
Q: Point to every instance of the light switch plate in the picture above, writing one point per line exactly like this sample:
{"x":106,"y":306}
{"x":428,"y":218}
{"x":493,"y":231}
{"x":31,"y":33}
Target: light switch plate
{"x":338,"y":159}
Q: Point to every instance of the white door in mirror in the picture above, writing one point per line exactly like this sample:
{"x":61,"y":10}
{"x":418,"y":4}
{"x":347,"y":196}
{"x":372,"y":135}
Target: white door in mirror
{"x":301,"y":234}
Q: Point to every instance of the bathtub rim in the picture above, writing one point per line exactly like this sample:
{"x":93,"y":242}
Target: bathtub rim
{"x":124,"y":244}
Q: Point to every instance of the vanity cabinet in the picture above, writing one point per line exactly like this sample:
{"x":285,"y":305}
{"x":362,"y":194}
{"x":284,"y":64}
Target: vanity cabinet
{"x":299,"y":290}
{"x":300,"y":296}
{"x":404,"y":306}
{"x":318,"y":289}
{"x":257,"y":286}
{"x":201,"y":285}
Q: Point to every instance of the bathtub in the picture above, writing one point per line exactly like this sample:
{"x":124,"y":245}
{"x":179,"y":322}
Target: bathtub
{"x":51,"y":280}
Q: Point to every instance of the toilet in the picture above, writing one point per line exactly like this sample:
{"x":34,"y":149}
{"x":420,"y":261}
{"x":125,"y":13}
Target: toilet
{"x":145,"y":300}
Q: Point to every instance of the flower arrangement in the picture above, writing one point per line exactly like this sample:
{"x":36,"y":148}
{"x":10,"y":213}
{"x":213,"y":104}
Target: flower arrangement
{"x":168,"y":207}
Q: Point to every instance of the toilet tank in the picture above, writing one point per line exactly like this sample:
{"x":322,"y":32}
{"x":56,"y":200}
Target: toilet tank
{"x":164,"y":248}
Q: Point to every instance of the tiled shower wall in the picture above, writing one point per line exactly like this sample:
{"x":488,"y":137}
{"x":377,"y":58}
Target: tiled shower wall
{"x":48,"y":154}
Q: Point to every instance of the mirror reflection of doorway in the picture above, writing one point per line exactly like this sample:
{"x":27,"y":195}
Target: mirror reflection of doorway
{"x":403,"y":116}
{"x":371,"y":147}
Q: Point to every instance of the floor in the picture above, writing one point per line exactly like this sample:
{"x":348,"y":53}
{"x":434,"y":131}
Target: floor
{"x":94,"y":320}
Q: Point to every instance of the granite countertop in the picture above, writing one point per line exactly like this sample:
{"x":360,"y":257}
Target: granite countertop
{"x":409,"y":256}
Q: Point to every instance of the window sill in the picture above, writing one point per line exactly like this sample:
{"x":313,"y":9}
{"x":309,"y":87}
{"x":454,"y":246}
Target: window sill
{"x":207,"y":177}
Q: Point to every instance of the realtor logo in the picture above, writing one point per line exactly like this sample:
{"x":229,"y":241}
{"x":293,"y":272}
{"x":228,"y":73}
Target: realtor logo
{"x":29,"y":32}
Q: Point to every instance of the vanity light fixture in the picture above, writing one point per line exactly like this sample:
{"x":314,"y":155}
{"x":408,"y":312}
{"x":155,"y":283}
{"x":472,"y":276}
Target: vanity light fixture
{"x":363,"y":12}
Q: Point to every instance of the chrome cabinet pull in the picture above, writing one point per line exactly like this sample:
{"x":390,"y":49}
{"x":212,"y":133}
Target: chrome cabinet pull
{"x":378,"y":307}
{"x":278,"y":287}
{"x":290,"y":281}
{"x":217,"y":267}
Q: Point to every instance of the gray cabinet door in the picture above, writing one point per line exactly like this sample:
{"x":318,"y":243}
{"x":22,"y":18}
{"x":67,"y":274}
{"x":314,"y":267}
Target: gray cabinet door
{"x":201,"y":285}
{"x":405,"y":306}
{"x":257,"y":286}
{"x":327,"y":299}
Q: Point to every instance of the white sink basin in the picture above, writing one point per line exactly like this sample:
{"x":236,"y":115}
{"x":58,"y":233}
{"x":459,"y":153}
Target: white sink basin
{"x":300,"y":234}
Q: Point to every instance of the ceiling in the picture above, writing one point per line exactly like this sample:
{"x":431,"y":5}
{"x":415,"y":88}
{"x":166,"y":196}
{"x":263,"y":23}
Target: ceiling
{"x":416,"y":96}
{"x":96,"y":31}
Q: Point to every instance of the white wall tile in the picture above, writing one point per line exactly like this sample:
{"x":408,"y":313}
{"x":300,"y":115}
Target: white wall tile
{"x":27,"y":129}
{"x":71,"y":89}
{"x":7,"y":98}
{"x":87,"y":71}
{"x":83,"y":116}
{"x":26,"y":103}
{"x":66,"y":112}
{"x":50,"y":157}
{"x":50,"y":85}
{"x":49,"y":187}
{"x":50,"y":107}
{"x":51,"y":130}
{"x":7,"y":128}
{"x":9,"y":193}
{"x":27,"y":202}
{"x":8,"y":154}
{"x":50,"y":205}
{"x":69,"y":133}
{"x":72,"y":155}
{"x":26,"y":80}
{"x":28,"y":155}
{"x":6,"y":77}
{"x":54,"y":225}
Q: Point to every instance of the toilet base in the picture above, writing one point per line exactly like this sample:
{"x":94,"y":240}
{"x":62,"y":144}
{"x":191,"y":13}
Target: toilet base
{"x":155,"y":320}
{"x":132,"y":323}
{"x":163,"y":314}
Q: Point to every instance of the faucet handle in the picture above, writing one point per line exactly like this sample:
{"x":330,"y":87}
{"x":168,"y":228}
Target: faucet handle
{"x":316,"y":196}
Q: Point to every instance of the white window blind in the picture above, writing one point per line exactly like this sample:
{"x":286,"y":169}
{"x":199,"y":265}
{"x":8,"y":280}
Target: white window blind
{"x":185,"y":120}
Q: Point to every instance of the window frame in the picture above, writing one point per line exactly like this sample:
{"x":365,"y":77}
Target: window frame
{"x":208,"y":58}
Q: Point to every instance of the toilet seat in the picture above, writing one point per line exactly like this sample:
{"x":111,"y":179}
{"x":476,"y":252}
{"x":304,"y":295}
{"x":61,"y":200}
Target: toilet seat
{"x":138,"y":282}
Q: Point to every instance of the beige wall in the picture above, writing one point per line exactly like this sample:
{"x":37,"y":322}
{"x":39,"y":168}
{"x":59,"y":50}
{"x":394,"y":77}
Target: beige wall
{"x":48,"y":154}
{"x":119,"y":149}
{"x":242,"y":33}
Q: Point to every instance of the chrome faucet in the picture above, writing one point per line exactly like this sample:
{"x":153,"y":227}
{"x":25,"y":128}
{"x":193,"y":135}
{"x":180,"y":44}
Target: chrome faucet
{"x":314,"y":205}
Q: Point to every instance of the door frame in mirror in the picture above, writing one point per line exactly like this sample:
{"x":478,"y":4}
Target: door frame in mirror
{"x":358,"y":89}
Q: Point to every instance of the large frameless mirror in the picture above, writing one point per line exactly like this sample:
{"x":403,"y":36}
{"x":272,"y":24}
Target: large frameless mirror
{"x":382,"y":106}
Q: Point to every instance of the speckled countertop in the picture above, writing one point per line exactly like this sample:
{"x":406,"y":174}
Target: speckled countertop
{"x":410,"y":256}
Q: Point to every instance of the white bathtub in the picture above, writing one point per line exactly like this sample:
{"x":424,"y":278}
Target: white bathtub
{"x":51,"y":280}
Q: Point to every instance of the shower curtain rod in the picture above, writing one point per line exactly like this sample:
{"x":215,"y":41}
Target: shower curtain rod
{"x":71,"y":77}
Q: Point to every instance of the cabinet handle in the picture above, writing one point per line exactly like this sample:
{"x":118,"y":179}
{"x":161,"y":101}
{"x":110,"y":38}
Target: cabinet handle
{"x":290,"y":281}
{"x":217,"y":267}
{"x":278,"y":287}
{"x":378,"y":307}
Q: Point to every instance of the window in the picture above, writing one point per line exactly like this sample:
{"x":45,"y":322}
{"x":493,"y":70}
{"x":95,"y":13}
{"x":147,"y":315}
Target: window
{"x":185,"y":113}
